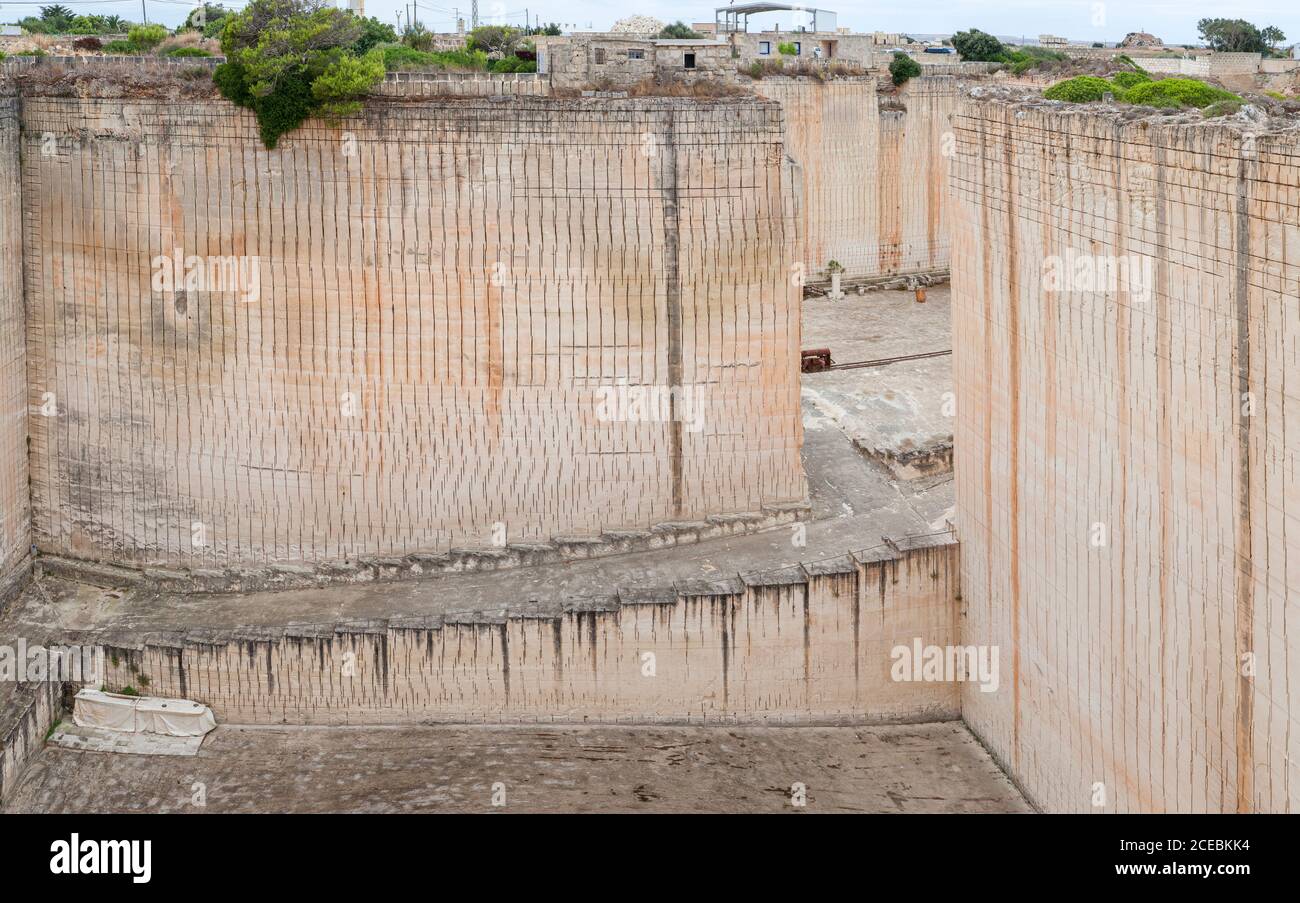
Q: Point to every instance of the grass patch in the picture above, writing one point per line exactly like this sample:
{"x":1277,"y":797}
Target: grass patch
{"x":1137,"y":88}
{"x":1126,"y":80}
{"x":512,"y":64}
{"x":1081,"y":89}
{"x":399,"y":57}
{"x":758,"y":69}
{"x":1026,"y":58}
{"x":1177,"y":93}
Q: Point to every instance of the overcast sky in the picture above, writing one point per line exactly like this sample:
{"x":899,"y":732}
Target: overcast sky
{"x":1100,"y":20}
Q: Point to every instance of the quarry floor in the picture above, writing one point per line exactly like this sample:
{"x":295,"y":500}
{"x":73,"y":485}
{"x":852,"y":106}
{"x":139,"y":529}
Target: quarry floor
{"x":894,"y":413}
{"x":919,"y":768}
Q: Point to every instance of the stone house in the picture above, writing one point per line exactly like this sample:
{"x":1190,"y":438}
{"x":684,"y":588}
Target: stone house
{"x":580,"y":60}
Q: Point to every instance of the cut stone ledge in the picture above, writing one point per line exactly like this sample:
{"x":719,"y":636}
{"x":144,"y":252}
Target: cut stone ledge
{"x":424,"y":565}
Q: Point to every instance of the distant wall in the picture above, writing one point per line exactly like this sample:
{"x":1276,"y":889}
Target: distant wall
{"x":15,"y":504}
{"x":793,"y":646}
{"x":1178,"y":66}
{"x":1273,"y":67}
{"x":1234,"y":63}
{"x":1216,"y":64}
{"x":442,"y":291}
{"x":1126,"y":351}
{"x":873,"y":171}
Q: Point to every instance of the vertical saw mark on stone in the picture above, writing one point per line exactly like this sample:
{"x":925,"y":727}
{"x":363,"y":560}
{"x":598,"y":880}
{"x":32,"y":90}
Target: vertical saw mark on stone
{"x":1245,"y":602}
{"x":1013,"y":430}
{"x":673,"y":299}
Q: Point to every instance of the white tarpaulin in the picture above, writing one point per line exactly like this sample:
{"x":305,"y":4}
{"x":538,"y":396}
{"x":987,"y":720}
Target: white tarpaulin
{"x":142,"y":714}
{"x":173,"y":717}
{"x":107,"y":710}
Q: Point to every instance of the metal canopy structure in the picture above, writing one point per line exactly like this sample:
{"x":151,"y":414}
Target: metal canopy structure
{"x":736,"y":17}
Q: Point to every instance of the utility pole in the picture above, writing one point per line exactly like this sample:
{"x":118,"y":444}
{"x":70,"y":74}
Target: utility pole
{"x":473,"y":13}
{"x":144,"y":13}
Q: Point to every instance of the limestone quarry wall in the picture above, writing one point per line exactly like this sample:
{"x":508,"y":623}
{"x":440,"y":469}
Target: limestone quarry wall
{"x":15,"y":506}
{"x":810,"y":644}
{"x":427,"y":329}
{"x":27,"y":712}
{"x":1126,"y":446}
{"x":873,"y":169}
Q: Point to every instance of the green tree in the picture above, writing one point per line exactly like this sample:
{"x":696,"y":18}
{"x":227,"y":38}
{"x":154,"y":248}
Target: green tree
{"x":348,"y":78}
{"x":288,"y":59}
{"x":53,"y":20}
{"x":979,"y":47}
{"x":58,"y":18}
{"x":146,"y":37}
{"x":206,"y":19}
{"x":902,"y":68}
{"x":500,"y":39}
{"x":374,"y":33}
{"x":1232,"y":36}
{"x":1272,"y":36}
{"x":87,"y":25}
{"x":680,"y":31}
{"x":417,"y":37}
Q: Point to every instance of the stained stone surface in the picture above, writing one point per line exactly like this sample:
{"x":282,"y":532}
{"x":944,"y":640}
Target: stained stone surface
{"x":1125,"y":345}
{"x":404,"y":346}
